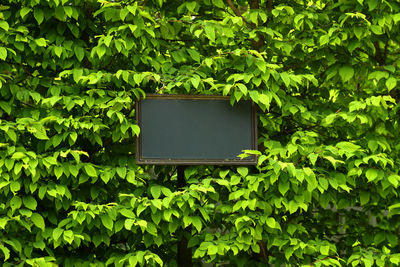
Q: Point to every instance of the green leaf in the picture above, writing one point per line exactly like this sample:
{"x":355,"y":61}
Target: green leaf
{"x":132,"y":8}
{"x":191,"y":5}
{"x":123,"y":13}
{"x":4,"y":105}
{"x":242,"y":88}
{"x":194,"y":55}
{"x":4,"y":25}
{"x":212,"y":250}
{"x":348,"y":147}
{"x":364,"y":197}
{"x":391,"y":83}
{"x":101,"y":50}
{"x":107,"y":221}
{"x":313,"y":158}
{"x":151,"y":229}
{"x":68,"y":236}
{"x":196,"y":221}
{"x":50,"y":161}
{"x":346,"y":73}
{"x":6,"y":252}
{"x":394,"y":180}
{"x":3,"y":53}
{"x":15,"y":203}
{"x":40,"y":42}
{"x":30,"y":202}
{"x":189,"y":172}
{"x":38,"y":221}
{"x":79,"y":52}
{"x":376,"y":29}
{"x":127,"y":213}
{"x":155,"y":191}
{"x":271,"y":222}
{"x":254,"y":96}
{"x":223,"y":173}
{"x":372,"y":4}
{"x":15,"y":186}
{"x":261,"y":65}
{"x":90,"y":170}
{"x":133,"y":260}
{"x":58,"y":51}
{"x":396,"y":17}
{"x":59,"y":13}
{"x":210,"y":32}
{"x":285,"y":78}
{"x":9,"y":163}
{"x":243,"y":171}
{"x":135,"y":129}
{"x":324,"y":250}
{"x":24,"y":11}
{"x":371,"y":174}
{"x":57,"y":232}
{"x":195,"y":80}
{"x":128,"y":223}
{"x":39,"y":132}
{"x":38,"y":14}
{"x":77,"y":74}
{"x":264,"y":99}
{"x":73,"y":136}
{"x":324,"y":39}
{"x":121,"y":171}
{"x":218,"y":3}
{"x":292,"y":206}
{"x":373,"y":145}
{"x":283,"y":187}
{"x":68,"y":11}
{"x":131,"y":177}
{"x":3,"y":223}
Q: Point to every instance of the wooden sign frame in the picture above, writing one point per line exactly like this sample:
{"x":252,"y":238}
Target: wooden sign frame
{"x":251,"y":160}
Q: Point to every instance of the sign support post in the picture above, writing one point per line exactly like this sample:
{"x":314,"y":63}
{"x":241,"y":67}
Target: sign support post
{"x":184,"y":253}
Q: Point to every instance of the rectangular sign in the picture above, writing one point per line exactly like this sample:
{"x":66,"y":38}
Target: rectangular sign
{"x":195,"y":130}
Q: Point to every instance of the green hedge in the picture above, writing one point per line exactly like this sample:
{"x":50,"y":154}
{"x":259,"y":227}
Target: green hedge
{"x":324,"y":75}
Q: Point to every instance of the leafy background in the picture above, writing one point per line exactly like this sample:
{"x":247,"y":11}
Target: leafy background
{"x":324,"y":75}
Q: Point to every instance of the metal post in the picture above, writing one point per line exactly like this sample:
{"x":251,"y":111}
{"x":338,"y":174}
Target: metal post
{"x":184,"y":253}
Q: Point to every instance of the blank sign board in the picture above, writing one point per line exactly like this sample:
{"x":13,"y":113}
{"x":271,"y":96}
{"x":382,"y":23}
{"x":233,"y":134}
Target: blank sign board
{"x":183,"y":130}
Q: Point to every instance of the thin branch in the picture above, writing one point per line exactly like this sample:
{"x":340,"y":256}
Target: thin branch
{"x":263,"y":250}
{"x":386,"y":50}
{"x":237,"y":12}
{"x":144,"y":4}
{"x":363,"y":51}
{"x":269,"y":5}
{"x":254,"y":4}
{"x":378,"y":55}
{"x":234,"y":8}
{"x":21,"y":65}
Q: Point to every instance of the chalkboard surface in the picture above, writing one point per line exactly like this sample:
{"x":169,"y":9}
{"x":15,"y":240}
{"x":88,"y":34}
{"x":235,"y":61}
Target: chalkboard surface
{"x":194,"y":130}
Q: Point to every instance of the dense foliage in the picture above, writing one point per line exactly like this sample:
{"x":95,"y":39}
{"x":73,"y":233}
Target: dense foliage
{"x":324,"y":75}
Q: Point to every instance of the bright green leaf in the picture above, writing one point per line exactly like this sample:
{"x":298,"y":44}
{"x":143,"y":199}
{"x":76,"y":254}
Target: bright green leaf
{"x":38,"y":221}
{"x":90,"y":170}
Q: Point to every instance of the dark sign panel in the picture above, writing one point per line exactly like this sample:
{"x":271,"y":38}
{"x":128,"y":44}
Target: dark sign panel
{"x":181,"y":129}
